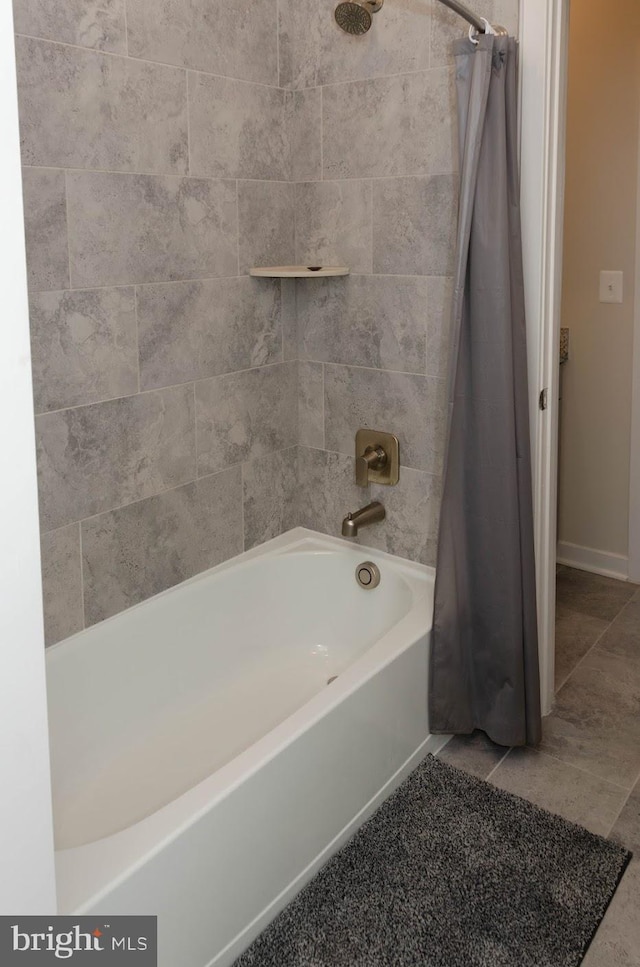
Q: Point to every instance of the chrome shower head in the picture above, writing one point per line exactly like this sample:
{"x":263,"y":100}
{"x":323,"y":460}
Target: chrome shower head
{"x":355,"y":17}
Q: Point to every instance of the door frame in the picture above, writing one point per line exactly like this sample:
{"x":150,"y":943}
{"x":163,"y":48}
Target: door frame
{"x":27,"y":874}
{"x":544,"y":36}
{"x":634,"y":470}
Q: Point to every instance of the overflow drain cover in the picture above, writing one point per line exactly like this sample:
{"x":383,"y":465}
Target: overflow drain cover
{"x":368,"y":575}
{"x":332,"y":679}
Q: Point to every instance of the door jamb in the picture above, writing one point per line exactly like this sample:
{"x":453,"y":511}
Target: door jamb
{"x":544,"y":34}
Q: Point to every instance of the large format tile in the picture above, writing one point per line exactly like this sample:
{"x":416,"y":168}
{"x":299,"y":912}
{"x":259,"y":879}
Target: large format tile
{"x":237,"y":129}
{"x":622,"y":637}
{"x":390,"y":126}
{"x":413,"y":407}
{"x":310,"y":404}
{"x":371,"y":320}
{"x":475,"y":753}
{"x":83,"y":346}
{"x":147,"y":228}
{"x":617,"y":942}
{"x":85,"y":109}
{"x":413,"y":513}
{"x":61,"y":583}
{"x":266,"y":223}
{"x":304,"y":132}
{"x":576,"y":634}
{"x":627,"y":826}
{"x":333,"y":224}
{"x":314,"y":50}
{"x":193,"y":330}
{"x":45,"y":225}
{"x":594,"y":724}
{"x":236,"y":39}
{"x":246,"y":416}
{"x":137,"y":551}
{"x":577,"y":796}
{"x":289,"y":318}
{"x":327,"y":491}
{"x":439,"y":326}
{"x":414,"y":225}
{"x":592,"y":594}
{"x":96,"y":458}
{"x":88,"y":23}
{"x":270,"y":496}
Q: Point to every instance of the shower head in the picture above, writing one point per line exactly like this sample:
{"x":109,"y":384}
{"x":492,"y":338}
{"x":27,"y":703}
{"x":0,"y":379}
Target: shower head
{"x":354,"y":17}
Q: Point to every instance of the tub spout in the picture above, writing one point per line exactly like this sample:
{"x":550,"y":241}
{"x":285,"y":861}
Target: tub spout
{"x":370,"y":514}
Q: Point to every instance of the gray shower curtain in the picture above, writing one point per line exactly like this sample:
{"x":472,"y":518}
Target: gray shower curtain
{"x":484,"y":657}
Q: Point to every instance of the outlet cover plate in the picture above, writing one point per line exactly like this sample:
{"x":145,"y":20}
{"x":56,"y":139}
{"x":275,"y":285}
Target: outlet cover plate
{"x":611,"y":286}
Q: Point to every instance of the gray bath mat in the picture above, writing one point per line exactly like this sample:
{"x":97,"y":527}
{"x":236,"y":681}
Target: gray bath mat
{"x":450,"y":872}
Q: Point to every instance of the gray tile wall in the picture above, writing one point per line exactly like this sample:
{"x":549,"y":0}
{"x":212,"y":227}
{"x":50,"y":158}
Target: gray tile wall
{"x":185,"y":411}
{"x":158,"y":152}
{"x":374,"y":347}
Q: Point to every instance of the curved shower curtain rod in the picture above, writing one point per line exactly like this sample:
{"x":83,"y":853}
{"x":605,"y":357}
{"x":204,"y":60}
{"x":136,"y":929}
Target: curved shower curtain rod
{"x":477,"y":22}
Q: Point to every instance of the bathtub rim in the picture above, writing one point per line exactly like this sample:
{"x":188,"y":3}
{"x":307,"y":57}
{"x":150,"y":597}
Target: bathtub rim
{"x":86,"y":874}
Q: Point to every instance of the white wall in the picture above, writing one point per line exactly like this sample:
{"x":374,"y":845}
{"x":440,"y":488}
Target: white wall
{"x":26,"y":837}
{"x":599,"y":232}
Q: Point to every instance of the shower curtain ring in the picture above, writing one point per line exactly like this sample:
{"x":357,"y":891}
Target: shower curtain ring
{"x":473,"y":34}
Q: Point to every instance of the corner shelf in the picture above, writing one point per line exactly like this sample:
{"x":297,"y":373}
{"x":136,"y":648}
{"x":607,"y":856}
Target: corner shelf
{"x":297,"y":271}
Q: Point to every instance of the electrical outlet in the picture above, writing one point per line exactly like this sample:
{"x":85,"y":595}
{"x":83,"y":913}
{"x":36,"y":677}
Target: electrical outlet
{"x":611,"y":287}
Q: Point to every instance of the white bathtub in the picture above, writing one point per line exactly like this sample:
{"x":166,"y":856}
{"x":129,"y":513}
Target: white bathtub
{"x":203,"y":769}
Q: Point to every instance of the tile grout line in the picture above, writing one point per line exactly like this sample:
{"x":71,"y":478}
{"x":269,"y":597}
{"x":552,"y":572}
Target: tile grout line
{"x":572,"y":765}
{"x":587,"y":653}
{"x":438,"y":68}
{"x":278,"y":45}
{"x":126,"y":29}
{"x":82,"y":588}
{"x":180,"y":175}
{"x":496,"y":766}
{"x":139,"y":500}
{"x":621,"y":810}
{"x":597,"y":640}
{"x":66,"y":218}
{"x":226,"y":375}
{"x":242,"y":531}
{"x":349,"y":456}
{"x":324,"y":415}
{"x":186,"y":86}
{"x":157,"y":63}
{"x":322,"y":178}
{"x":135,"y":304}
{"x":238,"y":225}
{"x":195,"y":428}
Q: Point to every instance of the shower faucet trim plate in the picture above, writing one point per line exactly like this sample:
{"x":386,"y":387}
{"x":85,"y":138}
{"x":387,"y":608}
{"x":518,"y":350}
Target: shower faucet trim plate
{"x":377,"y":458}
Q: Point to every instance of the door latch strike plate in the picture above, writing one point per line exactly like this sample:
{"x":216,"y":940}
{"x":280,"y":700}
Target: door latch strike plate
{"x":542,"y":399}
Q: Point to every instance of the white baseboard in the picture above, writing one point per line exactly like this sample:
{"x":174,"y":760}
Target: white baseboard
{"x":589,"y":559}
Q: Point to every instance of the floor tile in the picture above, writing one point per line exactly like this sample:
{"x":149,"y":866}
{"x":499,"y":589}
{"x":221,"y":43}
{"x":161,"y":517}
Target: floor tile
{"x":475,"y":754}
{"x":592,"y":594}
{"x":627,"y":828}
{"x":595,"y":724}
{"x":622,"y":637}
{"x":560,"y":788}
{"x":576,"y":633}
{"x":617,"y":942}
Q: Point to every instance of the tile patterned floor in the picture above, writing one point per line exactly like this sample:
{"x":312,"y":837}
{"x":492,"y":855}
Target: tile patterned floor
{"x":587,"y":767}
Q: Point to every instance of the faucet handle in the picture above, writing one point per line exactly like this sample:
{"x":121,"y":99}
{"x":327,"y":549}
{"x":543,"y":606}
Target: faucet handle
{"x":373,"y":458}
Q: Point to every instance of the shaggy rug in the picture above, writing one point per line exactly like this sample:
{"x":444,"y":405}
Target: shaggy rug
{"x":450,"y":872}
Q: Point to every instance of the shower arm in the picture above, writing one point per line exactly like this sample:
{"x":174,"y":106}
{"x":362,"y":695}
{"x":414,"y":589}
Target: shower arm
{"x":477,"y":22}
